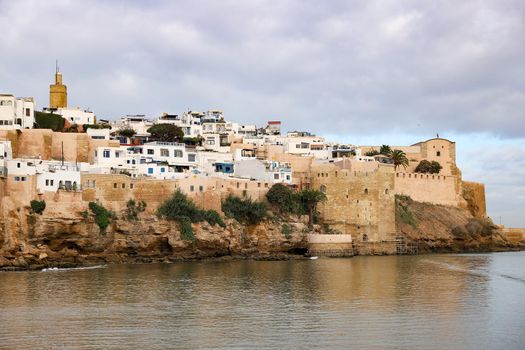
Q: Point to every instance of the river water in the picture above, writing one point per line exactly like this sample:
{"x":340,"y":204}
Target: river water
{"x":391,"y":302}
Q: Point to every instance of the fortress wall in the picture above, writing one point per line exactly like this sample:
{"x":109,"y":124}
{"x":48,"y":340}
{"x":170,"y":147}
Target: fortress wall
{"x":360,"y":204}
{"x":430,"y":188}
{"x":207,"y":192}
{"x":474,"y":194}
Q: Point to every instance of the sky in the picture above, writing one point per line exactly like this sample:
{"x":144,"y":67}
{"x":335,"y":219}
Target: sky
{"x":360,"y":72}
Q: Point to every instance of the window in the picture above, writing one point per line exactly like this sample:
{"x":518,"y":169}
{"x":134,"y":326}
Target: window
{"x":322,"y":189}
{"x":87,"y":184}
{"x":366,"y":190}
{"x":164,"y":152}
{"x":438,"y":153}
{"x":191,"y":157}
{"x":192,"y":188}
{"x":131,"y":186}
{"x":258,"y":184}
{"x":162,"y":170}
{"x":93,"y":183}
{"x":115,"y":185}
{"x":276,"y":176}
{"x":17,"y":178}
{"x":297,"y":146}
{"x":177,"y":153}
{"x":47,"y":182}
{"x":106,"y":153}
{"x":150,"y":170}
{"x":150,"y":151}
{"x":28,"y":112}
{"x":18,"y":165}
{"x":23,"y":178}
{"x":287,"y":177}
{"x":201,"y":188}
{"x":386,"y":191}
{"x":117,"y":154}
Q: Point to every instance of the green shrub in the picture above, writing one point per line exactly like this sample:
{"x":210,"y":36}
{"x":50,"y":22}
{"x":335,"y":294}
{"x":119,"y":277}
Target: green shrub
{"x":405,"y":215}
{"x":181,"y":209}
{"x":38,"y":206}
{"x":286,"y":231}
{"x":51,"y":121}
{"x":213,"y":218}
{"x":186,"y":231}
{"x":133,"y":209}
{"x":103,"y":216}
{"x":425,"y":166}
{"x":178,"y":205}
{"x":244,"y":210}
{"x":283,"y":198}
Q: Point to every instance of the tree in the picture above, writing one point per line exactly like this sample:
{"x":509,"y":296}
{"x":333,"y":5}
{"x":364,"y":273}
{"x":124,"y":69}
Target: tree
{"x":400,"y":158}
{"x":126,"y":132}
{"x":425,"y":166}
{"x":166,"y":133}
{"x":283,"y":198}
{"x":385,"y":150}
{"x":245,"y":210}
{"x":435,"y":167}
{"x":309,"y":200}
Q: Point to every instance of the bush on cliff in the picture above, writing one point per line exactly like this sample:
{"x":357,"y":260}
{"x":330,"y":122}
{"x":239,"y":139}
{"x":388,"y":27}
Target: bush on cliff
{"x":309,"y":200}
{"x":244,"y":210}
{"x":38,"y":206}
{"x":103,"y":216}
{"x":283,"y":198}
{"x":133,"y":209}
{"x":181,"y":209}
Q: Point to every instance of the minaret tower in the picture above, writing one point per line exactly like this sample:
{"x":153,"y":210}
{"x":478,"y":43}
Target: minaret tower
{"x":57,"y":91}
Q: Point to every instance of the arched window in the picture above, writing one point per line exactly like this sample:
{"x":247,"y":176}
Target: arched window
{"x":365,"y":237}
{"x":386,"y":191}
{"x":322,"y":188}
{"x":366,"y":190}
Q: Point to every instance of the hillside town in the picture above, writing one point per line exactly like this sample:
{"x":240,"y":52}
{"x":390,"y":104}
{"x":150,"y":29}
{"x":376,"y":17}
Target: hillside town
{"x":69,"y":157}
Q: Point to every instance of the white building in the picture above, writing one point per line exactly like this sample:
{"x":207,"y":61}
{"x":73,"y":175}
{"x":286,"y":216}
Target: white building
{"x":138,"y":122}
{"x":99,"y":134}
{"x":174,"y":154}
{"x":76,"y":115}
{"x":263,"y":170}
{"x":16,"y":113}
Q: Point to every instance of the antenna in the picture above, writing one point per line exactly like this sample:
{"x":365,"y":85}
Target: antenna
{"x":56,"y":66}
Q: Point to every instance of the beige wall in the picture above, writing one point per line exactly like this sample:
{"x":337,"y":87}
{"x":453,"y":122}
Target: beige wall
{"x":358,"y":203}
{"x":430,"y":188}
{"x":46,"y":144}
{"x":474,"y":194}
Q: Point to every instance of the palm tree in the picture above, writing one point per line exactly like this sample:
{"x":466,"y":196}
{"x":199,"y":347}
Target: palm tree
{"x":400,"y":158}
{"x":385,"y":150}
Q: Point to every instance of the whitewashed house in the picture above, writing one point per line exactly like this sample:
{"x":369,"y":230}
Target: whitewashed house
{"x":16,"y":113}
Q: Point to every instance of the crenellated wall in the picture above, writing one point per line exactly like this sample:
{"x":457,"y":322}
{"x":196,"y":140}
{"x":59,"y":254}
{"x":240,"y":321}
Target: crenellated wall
{"x":429,"y":188}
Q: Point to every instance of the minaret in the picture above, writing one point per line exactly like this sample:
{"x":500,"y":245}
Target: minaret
{"x":57,"y":91}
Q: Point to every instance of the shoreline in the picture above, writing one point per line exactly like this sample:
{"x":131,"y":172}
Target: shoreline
{"x":145,"y":260}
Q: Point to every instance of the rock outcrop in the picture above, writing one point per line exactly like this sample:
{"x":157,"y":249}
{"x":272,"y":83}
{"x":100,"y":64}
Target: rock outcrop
{"x":437,"y":228}
{"x":34,"y":241}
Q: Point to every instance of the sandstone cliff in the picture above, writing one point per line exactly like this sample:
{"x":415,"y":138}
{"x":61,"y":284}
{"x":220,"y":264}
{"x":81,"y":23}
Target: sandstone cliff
{"x":437,"y":228}
{"x":35,"y":241}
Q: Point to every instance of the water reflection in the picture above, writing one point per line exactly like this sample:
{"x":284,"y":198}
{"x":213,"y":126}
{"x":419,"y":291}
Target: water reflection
{"x":439,"y":301}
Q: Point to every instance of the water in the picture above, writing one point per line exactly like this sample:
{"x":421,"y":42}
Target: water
{"x":410,"y":302}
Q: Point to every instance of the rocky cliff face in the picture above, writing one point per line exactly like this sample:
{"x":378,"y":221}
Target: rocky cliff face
{"x":35,"y":241}
{"x":436,"y":228}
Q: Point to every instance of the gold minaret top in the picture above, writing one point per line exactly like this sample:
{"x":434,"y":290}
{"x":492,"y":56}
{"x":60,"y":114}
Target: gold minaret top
{"x":57,"y":92}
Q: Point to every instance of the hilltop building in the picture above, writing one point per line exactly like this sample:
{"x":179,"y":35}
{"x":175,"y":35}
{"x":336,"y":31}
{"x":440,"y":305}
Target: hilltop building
{"x":16,"y":113}
{"x":57,"y":92}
